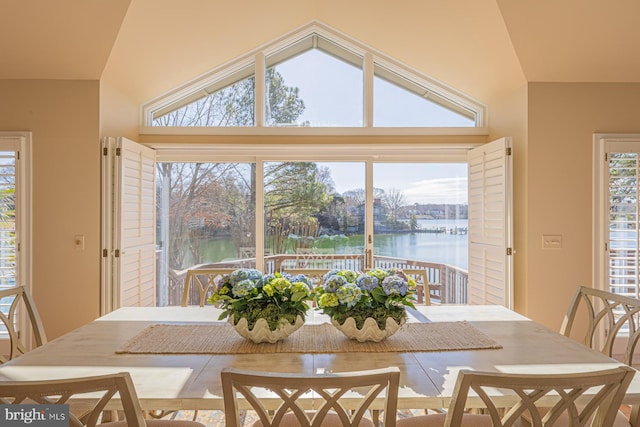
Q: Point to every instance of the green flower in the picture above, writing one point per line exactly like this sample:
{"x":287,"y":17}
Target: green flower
{"x":300,"y":287}
{"x":328,"y":300}
{"x":280,"y":283}
{"x":268,"y":290}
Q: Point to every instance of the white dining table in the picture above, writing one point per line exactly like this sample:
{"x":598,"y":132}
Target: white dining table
{"x":192,"y":381}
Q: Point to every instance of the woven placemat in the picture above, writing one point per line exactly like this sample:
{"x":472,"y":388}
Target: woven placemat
{"x":323,"y":338}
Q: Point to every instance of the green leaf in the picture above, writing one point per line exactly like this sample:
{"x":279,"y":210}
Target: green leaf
{"x":379,"y":295}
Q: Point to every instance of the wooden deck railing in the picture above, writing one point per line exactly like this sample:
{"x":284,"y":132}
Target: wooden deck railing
{"x":449,"y":282}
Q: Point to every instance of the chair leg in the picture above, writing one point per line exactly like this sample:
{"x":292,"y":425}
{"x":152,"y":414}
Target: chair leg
{"x":634,"y":416}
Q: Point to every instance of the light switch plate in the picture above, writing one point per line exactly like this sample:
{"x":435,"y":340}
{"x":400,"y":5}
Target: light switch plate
{"x":551,"y":241}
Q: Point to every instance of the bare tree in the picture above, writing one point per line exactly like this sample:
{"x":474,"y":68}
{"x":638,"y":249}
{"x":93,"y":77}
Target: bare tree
{"x":393,"y":200}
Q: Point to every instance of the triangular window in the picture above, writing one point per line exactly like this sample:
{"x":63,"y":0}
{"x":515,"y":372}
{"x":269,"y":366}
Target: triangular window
{"x":400,"y":102}
{"x":314,"y":78}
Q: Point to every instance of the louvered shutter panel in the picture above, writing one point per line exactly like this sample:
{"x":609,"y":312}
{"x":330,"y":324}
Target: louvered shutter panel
{"x":490,"y":225}
{"x":134,"y":224}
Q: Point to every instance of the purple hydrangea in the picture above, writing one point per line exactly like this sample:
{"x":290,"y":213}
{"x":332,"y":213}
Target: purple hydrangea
{"x":395,"y":285}
{"x":334,"y":282}
{"x":366,"y":282}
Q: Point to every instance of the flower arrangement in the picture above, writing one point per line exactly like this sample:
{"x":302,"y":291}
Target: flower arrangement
{"x":247,"y":293}
{"x":377,"y":293}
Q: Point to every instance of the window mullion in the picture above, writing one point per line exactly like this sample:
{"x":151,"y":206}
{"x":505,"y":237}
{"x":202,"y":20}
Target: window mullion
{"x":260,"y":90}
{"x":369,"y":215}
{"x":367,"y":73}
{"x":259,"y":216}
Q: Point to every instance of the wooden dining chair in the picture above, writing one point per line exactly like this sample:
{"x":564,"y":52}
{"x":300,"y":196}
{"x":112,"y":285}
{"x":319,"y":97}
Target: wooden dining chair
{"x":609,"y":318}
{"x":339,"y":399}
{"x":545,"y":400}
{"x":15,"y":302}
{"x":606,"y":313}
{"x":423,"y":293}
{"x":89,"y":398}
{"x":205,"y":280}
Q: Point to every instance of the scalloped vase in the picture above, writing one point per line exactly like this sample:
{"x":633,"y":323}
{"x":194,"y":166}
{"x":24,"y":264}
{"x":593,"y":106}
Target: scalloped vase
{"x":370,"y":330}
{"x":262,"y":333}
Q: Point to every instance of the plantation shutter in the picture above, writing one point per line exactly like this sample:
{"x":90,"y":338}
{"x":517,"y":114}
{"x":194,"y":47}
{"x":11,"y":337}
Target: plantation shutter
{"x":131,"y":251}
{"x":490,"y":224}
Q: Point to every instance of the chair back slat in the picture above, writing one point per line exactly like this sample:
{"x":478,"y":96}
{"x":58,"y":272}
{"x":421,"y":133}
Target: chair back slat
{"x":87,"y":397}
{"x":344,"y":398}
{"x":20,"y":301}
{"x":614,"y":312}
{"x":569,"y":399}
{"x":205,"y":281}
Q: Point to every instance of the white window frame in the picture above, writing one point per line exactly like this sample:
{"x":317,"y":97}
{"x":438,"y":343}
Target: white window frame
{"x":397,"y":150}
{"x":441,"y":153}
{"x":22,"y":143}
{"x":601,"y":145}
{"x":373,"y":61}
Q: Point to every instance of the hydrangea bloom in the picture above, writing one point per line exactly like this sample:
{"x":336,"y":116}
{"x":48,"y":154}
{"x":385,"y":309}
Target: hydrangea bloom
{"x":377,"y":293}
{"x":243,"y":288}
{"x":395,"y":285}
{"x":349,"y":294}
{"x":328,"y":300}
{"x":244,"y":274}
{"x":333,"y":283}
{"x":247,"y":293}
{"x":298,"y":278}
{"x":367,"y":282}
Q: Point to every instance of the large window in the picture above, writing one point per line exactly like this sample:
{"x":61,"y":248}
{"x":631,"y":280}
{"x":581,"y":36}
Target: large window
{"x":316,"y":215}
{"x":316,"y":150}
{"x":314,"y":78}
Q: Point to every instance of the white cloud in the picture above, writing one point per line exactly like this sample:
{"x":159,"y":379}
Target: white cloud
{"x":440,"y":190}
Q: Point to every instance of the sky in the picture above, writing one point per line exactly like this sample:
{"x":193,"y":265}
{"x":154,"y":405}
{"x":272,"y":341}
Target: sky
{"x":419,"y":182}
{"x":332,"y":92}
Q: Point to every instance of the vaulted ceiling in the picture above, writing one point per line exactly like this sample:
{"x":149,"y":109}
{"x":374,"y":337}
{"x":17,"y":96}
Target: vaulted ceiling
{"x":485,"y":48}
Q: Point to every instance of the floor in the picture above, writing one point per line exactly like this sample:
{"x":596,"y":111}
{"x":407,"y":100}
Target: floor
{"x":216,"y":418}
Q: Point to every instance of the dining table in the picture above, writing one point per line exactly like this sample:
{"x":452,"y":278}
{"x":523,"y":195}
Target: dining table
{"x":175,"y":354}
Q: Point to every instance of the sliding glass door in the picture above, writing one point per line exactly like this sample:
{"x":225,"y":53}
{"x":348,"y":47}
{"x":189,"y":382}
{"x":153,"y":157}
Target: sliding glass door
{"x":420,"y":213}
{"x":317,"y":215}
{"x":314,"y":215}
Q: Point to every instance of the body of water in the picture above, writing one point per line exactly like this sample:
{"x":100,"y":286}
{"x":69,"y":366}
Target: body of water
{"x":437,"y":247}
{"x":443,"y":248}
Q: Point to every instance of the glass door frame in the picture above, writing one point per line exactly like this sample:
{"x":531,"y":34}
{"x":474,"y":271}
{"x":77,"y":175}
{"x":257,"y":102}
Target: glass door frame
{"x":380,"y":149}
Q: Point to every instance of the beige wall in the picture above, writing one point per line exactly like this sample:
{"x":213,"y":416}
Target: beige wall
{"x":118,"y":114}
{"x":63,"y":117}
{"x":561,"y":123}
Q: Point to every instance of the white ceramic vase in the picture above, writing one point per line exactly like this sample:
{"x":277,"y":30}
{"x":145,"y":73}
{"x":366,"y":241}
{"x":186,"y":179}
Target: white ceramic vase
{"x":370,"y":330}
{"x":262,"y":333}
